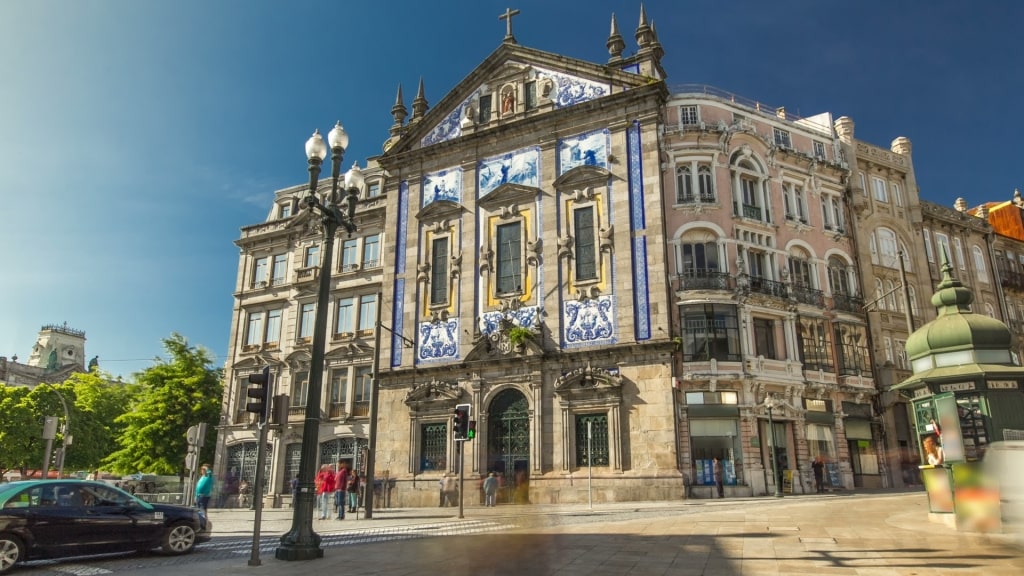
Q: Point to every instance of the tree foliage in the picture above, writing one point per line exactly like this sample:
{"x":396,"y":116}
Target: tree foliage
{"x":172,"y":396}
{"x":19,"y":431}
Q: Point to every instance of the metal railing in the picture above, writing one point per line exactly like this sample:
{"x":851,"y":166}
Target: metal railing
{"x":752,"y":212}
{"x":701,"y":279}
{"x":848,"y":303}
{"x":769,"y":287}
{"x":807,"y":295}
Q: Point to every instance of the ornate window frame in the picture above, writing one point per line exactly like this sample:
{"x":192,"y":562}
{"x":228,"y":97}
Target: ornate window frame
{"x":585,"y":391}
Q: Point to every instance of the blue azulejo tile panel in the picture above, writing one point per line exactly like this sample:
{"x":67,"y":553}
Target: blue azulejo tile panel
{"x":590,"y":149}
{"x":519,"y":167}
{"x":443,"y":185}
{"x":403,"y":226}
{"x":588,"y":322}
{"x":450,"y":127}
{"x":567,"y":90}
{"x":438,"y":341}
{"x":398,"y":319}
{"x":641,"y":290}
{"x":636,"y":178}
{"x":525,"y":317}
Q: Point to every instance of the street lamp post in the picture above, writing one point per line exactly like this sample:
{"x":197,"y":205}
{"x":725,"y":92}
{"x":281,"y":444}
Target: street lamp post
{"x":301,"y":542}
{"x":769,"y":403}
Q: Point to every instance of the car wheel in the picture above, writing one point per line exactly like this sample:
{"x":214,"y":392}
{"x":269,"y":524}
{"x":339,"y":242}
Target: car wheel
{"x":179,"y":539}
{"x":11,"y":552}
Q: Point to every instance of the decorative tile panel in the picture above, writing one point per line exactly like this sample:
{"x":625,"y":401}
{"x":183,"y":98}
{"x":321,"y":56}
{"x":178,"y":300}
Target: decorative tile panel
{"x":438,"y":341}
{"x":590,"y":149}
{"x":450,"y":127}
{"x":525,"y":317}
{"x":397,"y":319}
{"x":641,"y":304}
{"x":589,"y":322}
{"x":403,"y":226}
{"x":636,"y":182}
{"x":443,"y":185}
{"x":519,"y":167}
{"x":567,"y":90}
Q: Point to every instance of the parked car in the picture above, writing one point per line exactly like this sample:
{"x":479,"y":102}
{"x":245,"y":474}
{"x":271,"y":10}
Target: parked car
{"x":61,"y":518}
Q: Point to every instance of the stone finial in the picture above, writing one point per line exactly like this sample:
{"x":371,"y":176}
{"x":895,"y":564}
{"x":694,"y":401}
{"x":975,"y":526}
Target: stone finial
{"x":659,"y":51}
{"x":398,"y":112}
{"x":419,"y":104}
{"x":901,"y":145}
{"x":844,"y":128}
{"x":615,"y":42}
{"x":1017,"y":200}
{"x":983,"y":212}
{"x":960,"y":205}
{"x":644,"y":36}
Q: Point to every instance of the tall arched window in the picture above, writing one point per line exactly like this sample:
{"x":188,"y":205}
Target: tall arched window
{"x":880,"y":294}
{"x":838,"y":277}
{"x":684,"y":186}
{"x":894,"y":298}
{"x":801,"y":270}
{"x":887,"y":248}
{"x":913,"y":300}
{"x":705,"y":184}
{"x":979,"y":263}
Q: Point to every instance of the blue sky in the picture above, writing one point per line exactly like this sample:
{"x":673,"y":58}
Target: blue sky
{"x":137,"y":137}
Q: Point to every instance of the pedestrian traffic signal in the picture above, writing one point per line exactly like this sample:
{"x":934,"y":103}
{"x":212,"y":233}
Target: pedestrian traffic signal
{"x":471,"y":433}
{"x":258,"y":394}
{"x":461,"y":421}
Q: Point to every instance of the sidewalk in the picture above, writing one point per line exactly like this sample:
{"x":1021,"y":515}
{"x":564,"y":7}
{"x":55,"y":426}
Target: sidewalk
{"x":855,"y":534}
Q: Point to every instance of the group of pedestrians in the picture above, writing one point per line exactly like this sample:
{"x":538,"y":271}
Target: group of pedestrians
{"x":449,"y":490}
{"x":337,"y":490}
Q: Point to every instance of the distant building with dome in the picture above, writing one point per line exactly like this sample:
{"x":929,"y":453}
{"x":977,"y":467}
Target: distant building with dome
{"x":58,"y":353}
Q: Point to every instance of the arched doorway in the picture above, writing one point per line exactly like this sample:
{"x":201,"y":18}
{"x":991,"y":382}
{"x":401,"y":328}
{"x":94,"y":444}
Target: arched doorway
{"x":508,"y":445}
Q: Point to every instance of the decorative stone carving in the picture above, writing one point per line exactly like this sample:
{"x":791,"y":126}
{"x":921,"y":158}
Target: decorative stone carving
{"x":456,"y":267}
{"x":533,"y":252}
{"x":565,"y":244}
{"x":605,"y":238}
{"x":486,"y":257}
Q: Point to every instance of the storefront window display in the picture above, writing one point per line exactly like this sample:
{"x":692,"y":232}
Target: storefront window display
{"x":715,"y":438}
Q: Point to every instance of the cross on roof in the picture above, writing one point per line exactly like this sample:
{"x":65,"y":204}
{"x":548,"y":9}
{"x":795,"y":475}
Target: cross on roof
{"x":507,"y":17}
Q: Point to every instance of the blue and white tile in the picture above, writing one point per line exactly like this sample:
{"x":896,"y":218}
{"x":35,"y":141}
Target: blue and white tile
{"x":519,"y":167}
{"x":443,"y":185}
{"x":589,"y":322}
{"x":438,"y":341}
{"x":590,"y":149}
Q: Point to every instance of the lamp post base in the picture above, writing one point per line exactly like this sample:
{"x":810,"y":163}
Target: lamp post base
{"x":291,"y":551}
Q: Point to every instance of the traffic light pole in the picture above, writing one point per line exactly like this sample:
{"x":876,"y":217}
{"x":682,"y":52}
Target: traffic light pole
{"x":462,"y":478}
{"x":257,"y":494}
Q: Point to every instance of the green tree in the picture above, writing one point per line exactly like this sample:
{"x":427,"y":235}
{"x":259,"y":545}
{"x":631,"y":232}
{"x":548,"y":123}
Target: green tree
{"x":20,"y":431}
{"x":98,"y":403}
{"x":172,"y":396}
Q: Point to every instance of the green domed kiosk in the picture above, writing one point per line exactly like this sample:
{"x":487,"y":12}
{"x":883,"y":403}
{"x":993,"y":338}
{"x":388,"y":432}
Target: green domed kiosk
{"x":967,"y":391}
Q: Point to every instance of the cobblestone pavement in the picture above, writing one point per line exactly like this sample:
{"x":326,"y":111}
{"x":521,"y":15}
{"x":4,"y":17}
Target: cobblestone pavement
{"x":869,"y":534}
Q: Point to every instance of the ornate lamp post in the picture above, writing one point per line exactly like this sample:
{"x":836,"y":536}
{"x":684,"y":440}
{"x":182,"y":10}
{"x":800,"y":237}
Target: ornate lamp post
{"x":769,"y":403}
{"x":301,"y":542}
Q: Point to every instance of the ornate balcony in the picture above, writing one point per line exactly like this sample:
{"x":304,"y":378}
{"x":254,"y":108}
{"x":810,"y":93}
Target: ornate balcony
{"x":751,"y":212}
{"x":807,"y":295}
{"x":769,"y":287}
{"x":848,"y":303}
{"x":701,"y":279}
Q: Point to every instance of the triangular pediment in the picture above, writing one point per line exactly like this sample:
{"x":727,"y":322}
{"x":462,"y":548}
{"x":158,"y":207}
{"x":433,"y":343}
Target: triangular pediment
{"x":501,"y":79}
{"x":582,"y":176}
{"x":439,"y":210}
{"x":589,"y":381}
{"x":507,"y":194}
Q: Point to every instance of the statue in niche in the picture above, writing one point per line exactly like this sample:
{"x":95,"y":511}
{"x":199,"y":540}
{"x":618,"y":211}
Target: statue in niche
{"x":508,"y":101}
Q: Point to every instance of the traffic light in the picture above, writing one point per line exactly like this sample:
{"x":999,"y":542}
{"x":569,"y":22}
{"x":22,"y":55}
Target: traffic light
{"x":461,"y":421}
{"x":259,"y":394}
{"x":471,"y":433}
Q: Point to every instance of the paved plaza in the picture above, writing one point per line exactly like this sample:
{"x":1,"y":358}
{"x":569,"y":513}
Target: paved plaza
{"x":872,"y":534}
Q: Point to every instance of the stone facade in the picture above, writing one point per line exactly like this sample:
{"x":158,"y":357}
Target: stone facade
{"x":58,"y":353}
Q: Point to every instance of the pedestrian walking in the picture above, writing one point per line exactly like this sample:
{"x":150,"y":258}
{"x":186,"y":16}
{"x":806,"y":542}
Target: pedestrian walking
{"x":204,"y":487}
{"x":295,"y":490}
{"x":719,"y":477}
{"x":340,"y":487}
{"x":819,"y":474}
{"x":353,"y":491}
{"x":325,"y":490}
{"x":451,"y":490}
{"x":490,"y":489}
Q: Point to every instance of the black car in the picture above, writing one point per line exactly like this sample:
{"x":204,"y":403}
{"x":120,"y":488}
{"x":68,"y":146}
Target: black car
{"x":60,"y":518}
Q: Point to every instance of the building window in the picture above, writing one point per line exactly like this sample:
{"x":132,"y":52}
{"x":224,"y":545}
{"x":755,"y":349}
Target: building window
{"x":273,"y":327}
{"x":894,"y":301}
{"x":705,"y":184}
{"x":259,"y":272}
{"x":902,"y":362}
{"x":851,"y":343}
{"x":433,"y":446}
{"x":712,"y":438}
{"x":913,"y":299}
{"x":820,"y":441}
{"x":373,"y":190}
{"x":684,"y":186}
{"x":928,"y":245}
{"x":371,"y":251}
{"x":364,"y":376}
{"x":255,"y":332}
{"x":688,"y":115}
{"x":350,"y":255}
{"x":306,"y":320}
{"x":879,"y":294}
{"x":961,"y":262}
{"x":710,"y":331}
{"x":313,"y":256}
{"x":979,"y":264}
{"x":800,"y":270}
{"x":897,"y":196}
{"x":819,"y":150}
{"x":706,"y":397}
{"x":439,"y":271}
{"x":942,"y":243}
{"x":367,"y":312}
{"x":530,"y":95}
{"x":838,"y":278}
{"x":764,"y":338}
{"x":300,"y":389}
{"x":280,"y":270}
{"x":285,"y":210}
{"x":339,"y":387}
{"x":751,"y":208}
{"x":863,"y":184}
{"x":485,"y":109}
{"x":586,"y":253}
{"x":887,"y":248}
{"x":346,"y":316}
{"x":782,"y":138}
{"x":795,"y":203}
{"x":597,"y":455}
{"x":509,"y":258}
{"x":699,"y":258}
{"x":815,"y":344}
{"x":881,"y":193}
